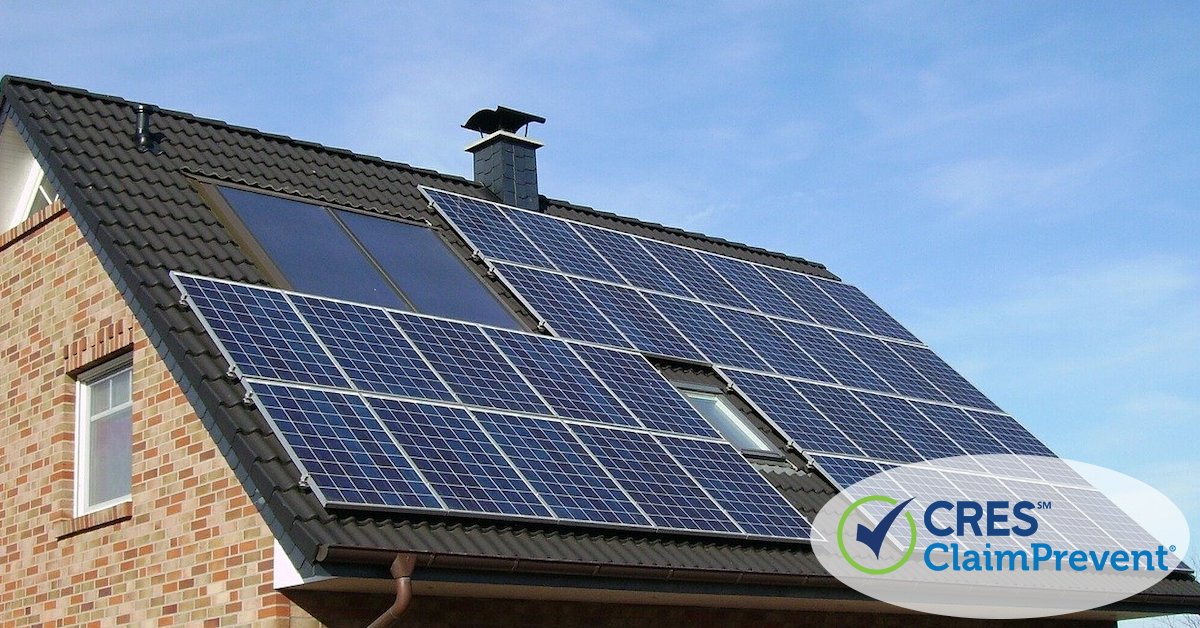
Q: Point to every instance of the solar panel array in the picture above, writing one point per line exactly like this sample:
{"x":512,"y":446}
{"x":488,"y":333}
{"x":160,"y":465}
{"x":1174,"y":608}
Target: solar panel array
{"x":829,"y":368}
{"x":389,"y":410}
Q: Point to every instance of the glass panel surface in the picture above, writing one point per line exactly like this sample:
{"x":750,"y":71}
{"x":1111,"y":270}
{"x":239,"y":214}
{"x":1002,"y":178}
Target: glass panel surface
{"x":725,"y":419}
{"x":110,"y":456}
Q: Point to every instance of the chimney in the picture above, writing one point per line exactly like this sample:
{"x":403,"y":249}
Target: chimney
{"x":504,"y":161}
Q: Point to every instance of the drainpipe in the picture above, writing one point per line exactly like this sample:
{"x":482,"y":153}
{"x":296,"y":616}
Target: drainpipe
{"x":402,"y":568}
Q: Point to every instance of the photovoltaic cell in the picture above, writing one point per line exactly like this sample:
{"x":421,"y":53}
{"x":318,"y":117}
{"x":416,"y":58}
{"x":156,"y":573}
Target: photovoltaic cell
{"x":473,"y":367}
{"x":914,"y":427}
{"x":845,"y":472}
{"x":458,"y":460}
{"x":865,"y":310}
{"x":761,"y":293}
{"x":644,"y":390}
{"x":945,"y":378}
{"x":807,"y":295}
{"x":1012,"y":434}
{"x":895,"y":371}
{"x":562,"y":379}
{"x":844,"y":366}
{"x":487,"y":229}
{"x":800,"y":423}
{"x":972,"y":437}
{"x":869,"y":433}
{"x":261,"y":332}
{"x":706,"y":332}
{"x":370,"y":349}
{"x":565,"y":249}
{"x":637,"y":321}
{"x":654,"y":479}
{"x":567,"y":312}
{"x":756,"y":506}
{"x":342,"y":447}
{"x":562,"y":472}
{"x":783,"y":355}
{"x":638,"y":267}
{"x":689,"y":268}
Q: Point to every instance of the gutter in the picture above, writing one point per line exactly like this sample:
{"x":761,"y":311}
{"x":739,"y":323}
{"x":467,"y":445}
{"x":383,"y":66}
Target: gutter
{"x":402,"y":569}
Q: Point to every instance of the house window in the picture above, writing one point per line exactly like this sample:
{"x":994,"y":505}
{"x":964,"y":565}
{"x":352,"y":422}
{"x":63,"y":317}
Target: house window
{"x":24,"y":188}
{"x":104,"y":437}
{"x":730,"y":422}
{"x":361,"y":257}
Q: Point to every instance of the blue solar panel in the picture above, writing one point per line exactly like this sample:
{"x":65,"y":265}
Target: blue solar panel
{"x":562,"y":472}
{"x":778,"y":350}
{"x":263,"y":336}
{"x":844,"y":472}
{"x":709,"y":334}
{"x":486,"y":228}
{"x":965,"y":431}
{"x":559,"y":242}
{"x":562,"y":379}
{"x":644,"y":390}
{"x":458,"y":460}
{"x":889,"y":366}
{"x":761,"y":293}
{"x":775,"y":399}
{"x":640,"y":323}
{"x":565,"y":310}
{"x":807,"y":295}
{"x":343,"y":449}
{"x":689,"y":268}
{"x":654,"y":479}
{"x":945,"y":378}
{"x":919,"y":431}
{"x":872,"y":435}
{"x":370,"y":349}
{"x":1012,"y":434}
{"x":638,"y":267}
{"x":845,"y":367}
{"x":865,"y":310}
{"x":473,"y":367}
{"x":739,"y":489}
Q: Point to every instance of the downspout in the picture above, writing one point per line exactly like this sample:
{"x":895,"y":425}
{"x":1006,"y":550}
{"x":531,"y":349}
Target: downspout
{"x":402,"y":568}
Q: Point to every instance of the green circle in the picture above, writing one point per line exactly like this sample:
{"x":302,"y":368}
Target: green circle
{"x":912,"y":543}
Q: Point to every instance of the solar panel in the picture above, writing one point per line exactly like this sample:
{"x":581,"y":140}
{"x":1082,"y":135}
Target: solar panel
{"x":486,"y":228}
{"x":895,"y":371}
{"x":844,"y":366}
{"x":336,"y":441}
{"x":776,"y":400}
{"x":945,"y":378}
{"x":921,"y":433}
{"x":761,"y":293}
{"x":846,"y":472}
{"x":646,"y":472}
{"x":689,"y":268}
{"x":644,"y":391}
{"x":871,"y":435}
{"x":865,"y":310}
{"x":1012,"y":434}
{"x":457,"y":459}
{"x":801,"y":290}
{"x":638,"y":267}
{"x":370,"y":349}
{"x":637,"y":321}
{"x":261,"y":333}
{"x":756,"y":506}
{"x":472,"y":366}
{"x":565,"y":249}
{"x":561,"y":378}
{"x":562,"y":472}
{"x":706,"y":332}
{"x":564,"y":309}
{"x":778,"y":350}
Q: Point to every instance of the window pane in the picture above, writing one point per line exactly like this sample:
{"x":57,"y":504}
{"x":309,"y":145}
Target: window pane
{"x":428,"y":272}
{"x":727,"y":420}
{"x":311,"y":249}
{"x":111,"y":468}
{"x":98,"y":394}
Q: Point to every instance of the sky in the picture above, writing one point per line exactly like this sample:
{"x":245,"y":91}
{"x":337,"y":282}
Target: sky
{"x":1016,"y":182}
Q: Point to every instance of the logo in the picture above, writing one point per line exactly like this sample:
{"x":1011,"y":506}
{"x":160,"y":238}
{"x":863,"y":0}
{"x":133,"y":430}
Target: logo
{"x":873,"y":537}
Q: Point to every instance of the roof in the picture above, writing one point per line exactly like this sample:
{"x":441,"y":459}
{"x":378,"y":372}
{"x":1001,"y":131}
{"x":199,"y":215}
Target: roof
{"x":144,"y":217}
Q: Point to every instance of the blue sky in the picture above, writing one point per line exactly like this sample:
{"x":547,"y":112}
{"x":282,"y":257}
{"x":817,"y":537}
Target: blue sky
{"x":1016,"y":182}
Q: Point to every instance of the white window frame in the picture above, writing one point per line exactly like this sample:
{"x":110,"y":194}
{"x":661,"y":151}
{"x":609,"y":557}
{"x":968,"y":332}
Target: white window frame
{"x":736,"y":420}
{"x":83,"y":425}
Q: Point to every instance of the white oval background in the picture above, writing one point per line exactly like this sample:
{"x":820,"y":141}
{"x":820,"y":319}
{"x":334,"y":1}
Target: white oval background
{"x":1076,"y":518}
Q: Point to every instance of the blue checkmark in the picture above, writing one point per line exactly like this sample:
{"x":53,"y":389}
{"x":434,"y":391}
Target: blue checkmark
{"x":873,"y":538}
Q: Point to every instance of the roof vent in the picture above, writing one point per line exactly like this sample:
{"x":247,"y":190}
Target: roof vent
{"x":504,"y":161}
{"x":146,"y":139}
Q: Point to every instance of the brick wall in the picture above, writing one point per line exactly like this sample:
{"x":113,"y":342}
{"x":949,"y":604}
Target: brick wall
{"x":190,"y":548}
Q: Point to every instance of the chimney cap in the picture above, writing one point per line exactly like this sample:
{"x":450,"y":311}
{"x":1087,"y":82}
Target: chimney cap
{"x":501,"y":118}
